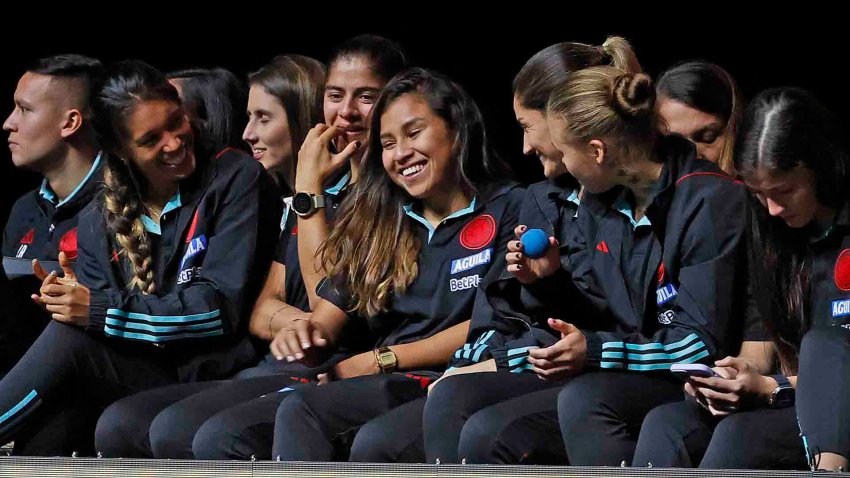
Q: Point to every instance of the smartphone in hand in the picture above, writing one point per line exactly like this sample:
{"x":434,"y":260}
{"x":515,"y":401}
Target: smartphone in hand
{"x":688,"y":370}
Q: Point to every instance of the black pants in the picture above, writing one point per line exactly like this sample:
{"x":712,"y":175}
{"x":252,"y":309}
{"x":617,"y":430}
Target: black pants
{"x":493,"y":418}
{"x":60,"y":430}
{"x":124,"y":428}
{"x":394,"y":437}
{"x":204,"y":420}
{"x":317,"y":423}
{"x":66,"y":362}
{"x":601,"y":413}
{"x":229,"y":419}
{"x":684,"y":435}
{"x":823,"y":391}
{"x":21,"y":321}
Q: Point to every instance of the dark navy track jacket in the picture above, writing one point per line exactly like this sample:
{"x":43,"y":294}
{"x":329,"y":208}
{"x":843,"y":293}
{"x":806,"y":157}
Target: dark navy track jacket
{"x":214,"y":250}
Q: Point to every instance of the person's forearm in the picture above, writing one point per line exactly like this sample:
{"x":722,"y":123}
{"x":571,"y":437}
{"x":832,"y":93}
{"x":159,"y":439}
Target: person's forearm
{"x":270,"y":315}
{"x":435,"y":351}
{"x":759,"y":354}
{"x":312,"y":232}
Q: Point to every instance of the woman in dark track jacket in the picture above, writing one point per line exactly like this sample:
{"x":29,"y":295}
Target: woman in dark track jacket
{"x":171,"y":258}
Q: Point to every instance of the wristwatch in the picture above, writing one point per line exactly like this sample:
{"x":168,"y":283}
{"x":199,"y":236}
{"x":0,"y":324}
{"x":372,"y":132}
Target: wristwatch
{"x":386,"y":359}
{"x":783,"y":395}
{"x":305,"y":204}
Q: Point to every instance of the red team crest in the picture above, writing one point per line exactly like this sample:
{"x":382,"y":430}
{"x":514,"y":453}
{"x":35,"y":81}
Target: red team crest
{"x":842,"y":270}
{"x":478,"y":232}
{"x":68,"y":244}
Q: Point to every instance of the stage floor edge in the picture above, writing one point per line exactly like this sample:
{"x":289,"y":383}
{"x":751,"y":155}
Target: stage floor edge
{"x":19,"y":467}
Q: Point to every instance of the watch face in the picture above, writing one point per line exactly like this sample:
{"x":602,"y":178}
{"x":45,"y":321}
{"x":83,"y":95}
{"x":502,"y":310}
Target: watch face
{"x":783,"y":398}
{"x":387,"y":361}
{"x":302,"y":203}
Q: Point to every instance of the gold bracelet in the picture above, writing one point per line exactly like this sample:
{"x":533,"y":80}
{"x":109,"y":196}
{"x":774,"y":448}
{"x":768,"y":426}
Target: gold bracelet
{"x":378,"y":361}
{"x":271,"y":319}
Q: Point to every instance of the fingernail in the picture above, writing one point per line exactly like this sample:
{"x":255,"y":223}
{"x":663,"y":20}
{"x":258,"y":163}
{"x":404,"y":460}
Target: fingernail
{"x":279,"y":357}
{"x":357,"y":144}
{"x":290,"y":358}
{"x":519,"y":267}
{"x":299,"y":356}
{"x":305,"y":345}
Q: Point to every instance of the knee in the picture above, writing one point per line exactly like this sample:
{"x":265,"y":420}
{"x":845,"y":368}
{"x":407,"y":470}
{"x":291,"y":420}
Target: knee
{"x":480,"y":438}
{"x":117,"y":430}
{"x":171,"y":434}
{"x":294,"y":414}
{"x":658,"y":425}
{"x":575,"y":404}
{"x":372,"y":444}
{"x":451,"y":396}
{"x":295,"y":407}
{"x":214,"y":440}
{"x":728,"y":447}
{"x":731,"y":431}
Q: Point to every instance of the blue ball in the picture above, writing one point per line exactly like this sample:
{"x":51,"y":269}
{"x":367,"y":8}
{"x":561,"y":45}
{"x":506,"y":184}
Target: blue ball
{"x":535,"y":242}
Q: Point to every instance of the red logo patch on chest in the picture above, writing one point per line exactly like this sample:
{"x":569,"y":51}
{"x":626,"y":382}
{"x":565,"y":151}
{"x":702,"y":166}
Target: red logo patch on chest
{"x":28,"y":237}
{"x":68,"y":244}
{"x":478,"y":232}
{"x":842,"y":270}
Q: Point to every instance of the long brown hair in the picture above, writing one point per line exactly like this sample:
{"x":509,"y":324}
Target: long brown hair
{"x":127,"y":84}
{"x":298,"y":83}
{"x":783,"y":129}
{"x":373,"y":249}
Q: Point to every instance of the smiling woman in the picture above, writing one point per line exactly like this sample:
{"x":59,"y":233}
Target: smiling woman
{"x":418,"y":158}
{"x":284,"y":102}
{"x":420,"y":231}
{"x":151,"y":271}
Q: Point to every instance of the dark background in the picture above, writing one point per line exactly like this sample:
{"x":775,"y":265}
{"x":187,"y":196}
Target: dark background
{"x":805,"y":48}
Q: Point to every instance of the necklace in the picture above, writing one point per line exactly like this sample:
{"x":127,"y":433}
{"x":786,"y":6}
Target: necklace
{"x":150,"y":209}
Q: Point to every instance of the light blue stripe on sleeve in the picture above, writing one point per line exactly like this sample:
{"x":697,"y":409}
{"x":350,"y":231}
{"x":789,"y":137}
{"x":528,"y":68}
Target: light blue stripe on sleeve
{"x":484,"y":337}
{"x":163,"y":328}
{"x":517,"y":361}
{"x":652,"y":346}
{"x":478,"y":351}
{"x":671,"y":356}
{"x":666,"y":366}
{"x":163,"y":318}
